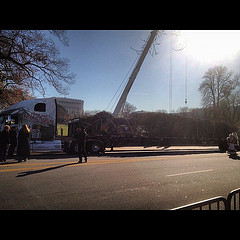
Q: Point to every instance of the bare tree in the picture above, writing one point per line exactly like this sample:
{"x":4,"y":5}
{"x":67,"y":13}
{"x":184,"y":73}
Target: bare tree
{"x":217,"y":84}
{"x":220,"y":92}
{"x":29,"y":60}
{"x":231,"y":104}
{"x":128,"y":109}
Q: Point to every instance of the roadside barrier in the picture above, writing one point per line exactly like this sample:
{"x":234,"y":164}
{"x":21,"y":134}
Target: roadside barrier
{"x":217,"y":203}
{"x":233,"y":203}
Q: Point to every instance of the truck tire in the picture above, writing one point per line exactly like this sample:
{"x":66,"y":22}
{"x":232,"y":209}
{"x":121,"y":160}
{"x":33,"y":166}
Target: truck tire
{"x":74,"y":147}
{"x":95,"y":147}
{"x":222,"y":145}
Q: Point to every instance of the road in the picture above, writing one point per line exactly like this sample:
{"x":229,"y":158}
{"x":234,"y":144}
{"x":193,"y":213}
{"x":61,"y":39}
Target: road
{"x":153,"y":182}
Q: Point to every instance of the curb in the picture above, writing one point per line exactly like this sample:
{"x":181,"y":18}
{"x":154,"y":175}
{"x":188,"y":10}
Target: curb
{"x":157,"y":153}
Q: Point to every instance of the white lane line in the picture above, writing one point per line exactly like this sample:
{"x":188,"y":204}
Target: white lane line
{"x":185,"y":173}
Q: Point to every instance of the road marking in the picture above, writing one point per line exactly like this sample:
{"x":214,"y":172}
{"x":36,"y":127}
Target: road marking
{"x":26,"y":169}
{"x":29,"y":164}
{"x":38,"y":165}
{"x":185,"y":173}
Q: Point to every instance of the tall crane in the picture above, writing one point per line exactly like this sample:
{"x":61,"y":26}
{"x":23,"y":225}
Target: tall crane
{"x":133,"y":76}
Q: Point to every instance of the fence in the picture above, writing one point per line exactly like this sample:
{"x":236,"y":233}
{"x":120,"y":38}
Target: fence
{"x":232,"y":200}
{"x":217,"y":203}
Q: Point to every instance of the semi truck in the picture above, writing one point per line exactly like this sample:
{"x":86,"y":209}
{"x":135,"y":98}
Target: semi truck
{"x":41,"y":117}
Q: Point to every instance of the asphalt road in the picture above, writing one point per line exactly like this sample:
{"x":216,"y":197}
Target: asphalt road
{"x":153,"y":182}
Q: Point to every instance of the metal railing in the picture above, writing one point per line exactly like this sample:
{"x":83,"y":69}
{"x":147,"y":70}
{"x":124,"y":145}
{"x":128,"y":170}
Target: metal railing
{"x":233,"y":200}
{"x":217,"y":203}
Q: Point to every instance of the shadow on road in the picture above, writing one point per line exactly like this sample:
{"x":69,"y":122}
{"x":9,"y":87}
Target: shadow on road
{"x":61,"y":155}
{"x":234,"y":157}
{"x":24,"y":174}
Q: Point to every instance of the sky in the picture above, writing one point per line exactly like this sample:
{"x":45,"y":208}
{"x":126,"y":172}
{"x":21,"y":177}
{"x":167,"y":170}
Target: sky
{"x":103,"y":59}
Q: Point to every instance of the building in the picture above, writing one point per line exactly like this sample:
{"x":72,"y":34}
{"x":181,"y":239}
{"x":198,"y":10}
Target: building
{"x":74,"y":107}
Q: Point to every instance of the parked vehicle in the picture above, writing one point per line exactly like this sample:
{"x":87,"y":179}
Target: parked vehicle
{"x":41,"y":117}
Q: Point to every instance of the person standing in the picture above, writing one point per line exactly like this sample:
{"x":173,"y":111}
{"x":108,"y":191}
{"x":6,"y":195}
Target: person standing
{"x":232,"y":142}
{"x":13,"y":141}
{"x":23,"y":148}
{"x":4,"y":142}
{"x":81,"y":137}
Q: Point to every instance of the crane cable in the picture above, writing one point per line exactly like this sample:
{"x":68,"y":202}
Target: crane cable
{"x":186,"y":77}
{"x":170,"y":77}
{"x":121,"y":86}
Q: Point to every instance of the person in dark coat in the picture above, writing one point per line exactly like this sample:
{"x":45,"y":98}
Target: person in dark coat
{"x":81,"y":137}
{"x":13,"y":141}
{"x":23,"y":148}
{"x":4,"y":142}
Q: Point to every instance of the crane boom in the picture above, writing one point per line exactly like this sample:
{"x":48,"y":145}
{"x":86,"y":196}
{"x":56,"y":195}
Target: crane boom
{"x":133,"y":76}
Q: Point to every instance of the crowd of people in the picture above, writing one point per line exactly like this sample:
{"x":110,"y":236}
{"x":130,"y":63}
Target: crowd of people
{"x":9,"y":141}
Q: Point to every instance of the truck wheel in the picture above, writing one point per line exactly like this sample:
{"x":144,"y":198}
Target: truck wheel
{"x":95,"y":147}
{"x":74,"y":147}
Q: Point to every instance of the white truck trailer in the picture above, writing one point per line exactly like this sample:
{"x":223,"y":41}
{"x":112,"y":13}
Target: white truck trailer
{"x":40,"y":116}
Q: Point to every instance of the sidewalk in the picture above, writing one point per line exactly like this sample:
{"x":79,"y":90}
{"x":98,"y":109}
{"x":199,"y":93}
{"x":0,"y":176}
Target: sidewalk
{"x":151,"y":151}
{"x":137,"y":151}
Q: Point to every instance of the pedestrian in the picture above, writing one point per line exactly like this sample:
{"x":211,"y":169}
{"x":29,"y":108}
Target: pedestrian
{"x":81,"y":137}
{"x":13,"y":141}
{"x":231,"y":141}
{"x":4,"y":142}
{"x":23,"y":148}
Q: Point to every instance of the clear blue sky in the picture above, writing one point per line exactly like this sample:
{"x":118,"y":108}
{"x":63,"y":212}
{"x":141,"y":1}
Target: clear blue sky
{"x":101,"y":60}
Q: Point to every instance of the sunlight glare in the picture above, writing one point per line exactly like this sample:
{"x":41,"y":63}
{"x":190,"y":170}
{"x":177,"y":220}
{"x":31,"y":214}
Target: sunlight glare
{"x":210,"y":46}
